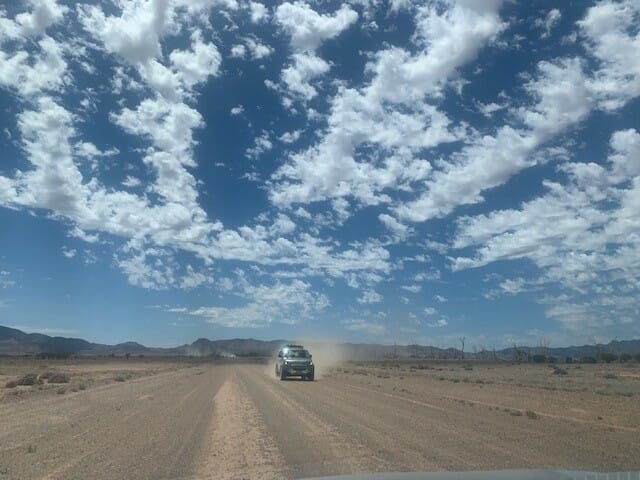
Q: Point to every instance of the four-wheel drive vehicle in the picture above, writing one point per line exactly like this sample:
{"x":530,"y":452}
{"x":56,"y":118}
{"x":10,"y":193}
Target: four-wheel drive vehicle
{"x":294,"y":361}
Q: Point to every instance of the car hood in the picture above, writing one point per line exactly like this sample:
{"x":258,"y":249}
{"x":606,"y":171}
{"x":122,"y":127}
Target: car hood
{"x":489,"y":475}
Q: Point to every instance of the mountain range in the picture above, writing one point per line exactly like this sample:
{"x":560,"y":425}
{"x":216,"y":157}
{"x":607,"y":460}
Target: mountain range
{"x":17,"y":342}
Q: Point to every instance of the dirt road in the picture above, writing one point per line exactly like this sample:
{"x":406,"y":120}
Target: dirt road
{"x":238,"y":421}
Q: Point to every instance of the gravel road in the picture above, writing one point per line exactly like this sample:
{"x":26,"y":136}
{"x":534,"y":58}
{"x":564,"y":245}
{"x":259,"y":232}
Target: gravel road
{"x":238,"y":421}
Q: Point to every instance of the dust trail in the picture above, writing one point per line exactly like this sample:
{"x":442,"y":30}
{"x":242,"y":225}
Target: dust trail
{"x":326,"y":356}
{"x":238,"y":444}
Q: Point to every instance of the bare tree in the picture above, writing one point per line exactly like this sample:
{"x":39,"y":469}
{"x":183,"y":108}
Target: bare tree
{"x":462,"y":339}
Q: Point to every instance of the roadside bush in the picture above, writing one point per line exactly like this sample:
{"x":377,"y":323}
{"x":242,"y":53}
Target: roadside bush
{"x":59,"y":378}
{"x":610,"y":376}
{"x":532,"y":415}
{"x":559,"y":371}
{"x":516,"y":413}
{"x":61,"y":391}
{"x":625,"y":357}
{"x":11,"y":384}
{"x":539,"y":358}
{"x":29,"y":379}
{"x":120,"y":378}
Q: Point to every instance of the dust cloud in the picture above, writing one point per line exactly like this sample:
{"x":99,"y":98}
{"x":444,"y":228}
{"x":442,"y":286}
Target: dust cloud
{"x":326,"y":356}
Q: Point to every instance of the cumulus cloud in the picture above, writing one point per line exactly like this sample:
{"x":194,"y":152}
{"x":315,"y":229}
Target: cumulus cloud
{"x":286,"y":303}
{"x":576,"y":233}
{"x":391,"y":113}
{"x":307,"y":28}
{"x":259,"y":12}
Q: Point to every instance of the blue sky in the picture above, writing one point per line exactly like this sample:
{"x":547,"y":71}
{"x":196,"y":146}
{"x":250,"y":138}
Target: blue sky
{"x":369,"y":171}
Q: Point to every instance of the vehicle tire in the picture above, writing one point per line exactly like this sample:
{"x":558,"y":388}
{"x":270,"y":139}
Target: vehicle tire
{"x":277,"y":373}
{"x":283,"y":376}
{"x":310,"y":377}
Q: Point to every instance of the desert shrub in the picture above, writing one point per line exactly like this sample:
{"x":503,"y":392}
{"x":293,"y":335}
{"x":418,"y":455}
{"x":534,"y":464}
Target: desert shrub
{"x":610,"y":376}
{"x":47,"y":375}
{"x":588,"y":360}
{"x":516,"y":413}
{"x":559,"y":371}
{"x":61,"y":391}
{"x":532,"y":415}
{"x":82,"y":386}
{"x":468,"y":367}
{"x":59,"y":378}
{"x":120,"y":378}
{"x":625,"y":357}
{"x":28,"y":379}
{"x":11,"y":384}
{"x":538,"y":358}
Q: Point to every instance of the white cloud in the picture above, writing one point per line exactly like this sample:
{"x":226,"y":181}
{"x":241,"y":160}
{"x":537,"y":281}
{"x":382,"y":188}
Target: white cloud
{"x":69,"y":252}
{"x":359,"y":325}
{"x":131,"y":182}
{"x":390,"y":113}
{"x":488,"y":161}
{"x":257,"y":50}
{"x":398,"y":229}
{"x":307,"y":28}
{"x":259,"y":12}
{"x":370,"y":296}
{"x":297,"y":76}
{"x":286,"y":303}
{"x":290,"y":137}
{"x":439,"y":324}
{"x":261,"y":145}
{"x":238,"y":51}
{"x":581,"y":235}
{"x":237,"y":110}
{"x":440,"y":299}
{"x":550,"y":21}
{"x":44,"y":69}
{"x":609,"y":29}
{"x":196,"y":65}
{"x":412,"y":288}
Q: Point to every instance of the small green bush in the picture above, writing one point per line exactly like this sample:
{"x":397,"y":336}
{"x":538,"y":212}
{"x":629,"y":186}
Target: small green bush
{"x":120,"y":378}
{"x":532,"y":415}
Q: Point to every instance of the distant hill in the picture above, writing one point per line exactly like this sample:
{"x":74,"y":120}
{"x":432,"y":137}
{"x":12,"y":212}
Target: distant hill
{"x":17,"y":342}
{"x":617,"y":347}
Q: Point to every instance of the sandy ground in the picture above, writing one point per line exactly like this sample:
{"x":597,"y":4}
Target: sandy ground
{"x":239,"y":421}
